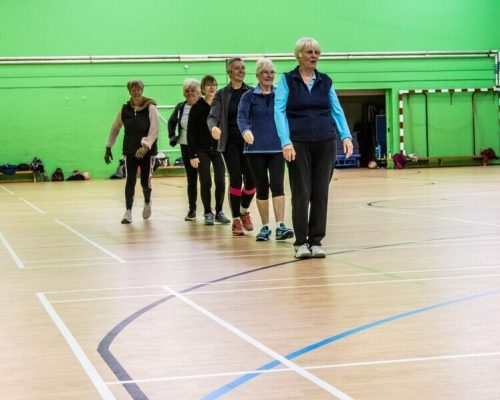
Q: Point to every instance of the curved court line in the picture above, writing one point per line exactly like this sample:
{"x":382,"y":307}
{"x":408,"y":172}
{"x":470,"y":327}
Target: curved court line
{"x":273,"y":364}
{"x":119,"y":371}
{"x":104,"y":346}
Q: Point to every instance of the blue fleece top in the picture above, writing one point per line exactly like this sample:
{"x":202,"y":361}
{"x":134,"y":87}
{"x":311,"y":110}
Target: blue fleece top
{"x":280,"y":117}
{"x":256,"y":114}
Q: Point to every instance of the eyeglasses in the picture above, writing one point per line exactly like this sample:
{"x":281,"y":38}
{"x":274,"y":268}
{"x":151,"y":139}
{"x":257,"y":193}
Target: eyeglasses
{"x":311,"y":52}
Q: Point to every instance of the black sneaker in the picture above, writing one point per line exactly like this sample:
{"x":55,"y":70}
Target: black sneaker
{"x":191,"y":216}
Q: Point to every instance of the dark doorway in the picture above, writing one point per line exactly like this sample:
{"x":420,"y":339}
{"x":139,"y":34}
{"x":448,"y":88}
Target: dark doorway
{"x":365,"y":113}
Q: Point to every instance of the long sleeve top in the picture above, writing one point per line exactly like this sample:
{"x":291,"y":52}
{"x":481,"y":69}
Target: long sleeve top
{"x":199,"y":137}
{"x":280,"y":116}
{"x":219,"y":112}
{"x":256,"y":114}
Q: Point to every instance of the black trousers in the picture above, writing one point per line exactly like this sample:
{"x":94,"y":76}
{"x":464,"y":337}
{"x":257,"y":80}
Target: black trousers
{"x":310,"y":176}
{"x":132,"y":164}
{"x":192,"y":178}
{"x":214,"y":158}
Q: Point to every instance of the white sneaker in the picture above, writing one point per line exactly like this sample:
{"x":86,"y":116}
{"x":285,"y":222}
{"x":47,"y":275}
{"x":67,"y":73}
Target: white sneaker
{"x":127,"y":217}
{"x":146,"y":211}
{"x":317,"y":252}
{"x":302,"y":251}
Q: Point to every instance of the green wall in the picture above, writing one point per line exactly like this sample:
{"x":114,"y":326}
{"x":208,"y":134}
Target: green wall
{"x":445,"y":124}
{"x":96,"y":27}
{"x":62,"y":112}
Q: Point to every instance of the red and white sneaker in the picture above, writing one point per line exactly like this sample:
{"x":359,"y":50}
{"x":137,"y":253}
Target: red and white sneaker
{"x":237,"y":228}
{"x":246,"y":220}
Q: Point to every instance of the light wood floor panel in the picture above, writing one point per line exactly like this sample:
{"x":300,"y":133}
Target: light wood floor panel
{"x":405,"y":306}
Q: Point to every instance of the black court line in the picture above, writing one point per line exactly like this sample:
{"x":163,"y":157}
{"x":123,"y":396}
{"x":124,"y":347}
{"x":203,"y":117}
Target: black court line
{"x":104,"y":346}
{"x":119,"y":371}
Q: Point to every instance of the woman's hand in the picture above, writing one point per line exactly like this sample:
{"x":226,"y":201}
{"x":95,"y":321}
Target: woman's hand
{"x":216,"y":132}
{"x":289,"y":152}
{"x":348,"y":147}
{"x":194,"y":162}
{"x":141,"y":151}
{"x":248,"y":137}
{"x":108,"y":156}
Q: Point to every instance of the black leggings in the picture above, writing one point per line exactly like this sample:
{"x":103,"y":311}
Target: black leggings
{"x":214,"y":158}
{"x":132,"y":164}
{"x":241,"y":182}
{"x":192,"y":178}
{"x":269,"y":172}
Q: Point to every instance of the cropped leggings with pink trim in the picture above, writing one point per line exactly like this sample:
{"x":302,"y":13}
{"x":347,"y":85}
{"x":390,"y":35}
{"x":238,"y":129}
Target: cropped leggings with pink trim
{"x":241,"y":181}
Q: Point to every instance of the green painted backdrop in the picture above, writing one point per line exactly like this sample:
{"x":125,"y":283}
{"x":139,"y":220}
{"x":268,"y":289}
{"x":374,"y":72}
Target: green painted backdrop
{"x":62,"y":113}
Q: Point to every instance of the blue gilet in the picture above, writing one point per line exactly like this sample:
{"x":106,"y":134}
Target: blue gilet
{"x":309,"y":113}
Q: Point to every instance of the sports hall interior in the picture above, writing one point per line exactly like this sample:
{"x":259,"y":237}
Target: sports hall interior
{"x":406,"y":304}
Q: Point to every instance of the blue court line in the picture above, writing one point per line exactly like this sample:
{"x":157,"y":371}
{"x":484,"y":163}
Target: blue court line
{"x":104,"y":347}
{"x":273,"y":364}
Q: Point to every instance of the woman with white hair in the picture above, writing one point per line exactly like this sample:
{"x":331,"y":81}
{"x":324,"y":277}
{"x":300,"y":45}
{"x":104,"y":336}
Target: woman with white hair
{"x":308,"y":117}
{"x":263,"y":149}
{"x":177,"y":133}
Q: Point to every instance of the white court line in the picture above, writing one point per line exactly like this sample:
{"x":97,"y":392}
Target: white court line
{"x":408,"y":360}
{"x":338,"y":251}
{"x":343,"y":284}
{"x":77,"y":350}
{"x":277,"y":288}
{"x":306,"y":374}
{"x":7,"y":190}
{"x":11,"y":251}
{"x":90,"y":241}
{"x":313,"y":367}
{"x":429,"y":216}
{"x":137,"y":296}
{"x":293,"y":278}
{"x":32,"y":206}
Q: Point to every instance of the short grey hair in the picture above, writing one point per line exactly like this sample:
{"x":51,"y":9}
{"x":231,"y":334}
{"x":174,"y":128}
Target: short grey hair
{"x":261,"y":64}
{"x":303,"y":43}
{"x":189,"y":83}
{"x":231,"y":61}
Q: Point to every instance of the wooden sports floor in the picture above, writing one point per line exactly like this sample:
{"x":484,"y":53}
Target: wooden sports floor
{"x":405,"y":306}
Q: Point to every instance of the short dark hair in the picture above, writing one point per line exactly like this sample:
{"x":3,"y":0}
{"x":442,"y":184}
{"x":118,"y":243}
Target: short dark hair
{"x":205,"y":81}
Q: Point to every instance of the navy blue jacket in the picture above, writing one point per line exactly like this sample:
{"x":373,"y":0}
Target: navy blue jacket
{"x":256,"y":114}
